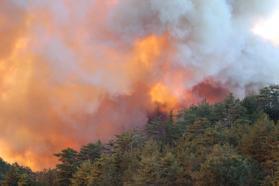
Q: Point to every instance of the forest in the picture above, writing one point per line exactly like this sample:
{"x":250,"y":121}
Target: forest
{"x":230,"y":143}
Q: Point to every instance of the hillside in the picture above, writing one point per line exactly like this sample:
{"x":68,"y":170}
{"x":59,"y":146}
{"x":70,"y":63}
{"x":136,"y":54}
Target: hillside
{"x":234,"y":142}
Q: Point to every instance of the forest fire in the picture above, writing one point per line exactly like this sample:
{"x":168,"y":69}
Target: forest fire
{"x":161,"y":95}
{"x":75,"y":72}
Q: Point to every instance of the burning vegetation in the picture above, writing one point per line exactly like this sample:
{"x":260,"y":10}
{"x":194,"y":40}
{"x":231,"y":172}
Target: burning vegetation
{"x":73,"y":72}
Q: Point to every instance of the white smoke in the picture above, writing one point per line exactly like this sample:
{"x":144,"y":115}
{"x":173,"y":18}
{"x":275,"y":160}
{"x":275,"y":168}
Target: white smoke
{"x":78,"y":77}
{"x":213,"y":37}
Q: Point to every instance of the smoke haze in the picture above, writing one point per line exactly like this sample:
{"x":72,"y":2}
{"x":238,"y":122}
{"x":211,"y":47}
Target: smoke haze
{"x":72,"y":72}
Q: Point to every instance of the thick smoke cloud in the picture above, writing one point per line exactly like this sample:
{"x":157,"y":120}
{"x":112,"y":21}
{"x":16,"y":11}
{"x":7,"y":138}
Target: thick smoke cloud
{"x":77,"y":71}
{"x":12,"y":20}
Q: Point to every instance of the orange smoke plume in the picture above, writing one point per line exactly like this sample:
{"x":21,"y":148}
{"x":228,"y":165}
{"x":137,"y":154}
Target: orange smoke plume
{"x":73,"y":72}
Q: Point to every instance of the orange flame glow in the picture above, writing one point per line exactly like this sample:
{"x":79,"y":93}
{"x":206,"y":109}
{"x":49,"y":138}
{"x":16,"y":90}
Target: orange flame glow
{"x":160,"y":94}
{"x":73,"y":72}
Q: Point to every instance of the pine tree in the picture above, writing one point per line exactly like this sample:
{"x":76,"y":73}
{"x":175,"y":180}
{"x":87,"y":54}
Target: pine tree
{"x":91,"y":151}
{"x":148,"y":172}
{"x":4,"y":168}
{"x":225,"y":167}
{"x":269,"y":101}
{"x":105,"y":171}
{"x":82,"y":176}
{"x":68,"y":165}
{"x":261,"y":144}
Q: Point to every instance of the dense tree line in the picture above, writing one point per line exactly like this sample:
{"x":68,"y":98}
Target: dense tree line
{"x":235,"y":142}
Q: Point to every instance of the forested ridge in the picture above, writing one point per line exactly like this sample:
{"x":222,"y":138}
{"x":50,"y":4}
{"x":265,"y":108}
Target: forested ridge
{"x":231,"y":143}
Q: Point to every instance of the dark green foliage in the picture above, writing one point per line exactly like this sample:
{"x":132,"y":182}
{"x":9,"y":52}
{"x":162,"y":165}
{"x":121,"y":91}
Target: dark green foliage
{"x":156,"y":168}
{"x":19,"y":175}
{"x":234,"y":111}
{"x":163,"y":130}
{"x":4,"y":168}
{"x":252,"y":107}
{"x":67,"y":167}
{"x":91,"y":151}
{"x":47,"y":177}
{"x":225,"y":167}
{"x":83,"y":173}
{"x":204,"y":110}
{"x":12,"y":177}
{"x":269,"y":101}
{"x":262,"y":144}
{"x":106,"y":171}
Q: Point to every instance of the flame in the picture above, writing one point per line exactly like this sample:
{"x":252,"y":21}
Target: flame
{"x":146,"y":53}
{"x":147,"y":49}
{"x":70,"y":72}
{"x":162,"y":95}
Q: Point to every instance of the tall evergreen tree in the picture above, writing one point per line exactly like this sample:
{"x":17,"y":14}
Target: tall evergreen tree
{"x":82,"y":175}
{"x":4,"y":168}
{"x":91,"y":151}
{"x":68,"y":165}
{"x":269,"y":101}
{"x":225,"y":167}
